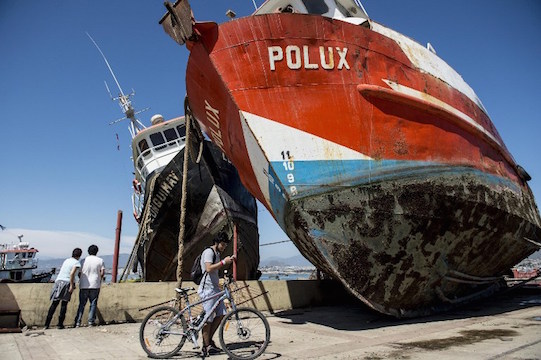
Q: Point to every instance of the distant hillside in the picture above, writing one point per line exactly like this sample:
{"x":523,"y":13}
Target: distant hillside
{"x":290,"y":261}
{"x":48,"y":263}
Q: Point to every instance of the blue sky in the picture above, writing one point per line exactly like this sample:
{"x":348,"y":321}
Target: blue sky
{"x":62,"y":179}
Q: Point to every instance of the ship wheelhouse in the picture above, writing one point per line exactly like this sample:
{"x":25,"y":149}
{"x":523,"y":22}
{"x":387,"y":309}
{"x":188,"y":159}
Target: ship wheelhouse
{"x":346,"y":10}
{"x":152,"y":149}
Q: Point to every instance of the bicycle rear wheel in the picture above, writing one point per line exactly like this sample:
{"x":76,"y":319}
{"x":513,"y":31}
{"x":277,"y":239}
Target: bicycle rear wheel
{"x":161,"y":335}
{"x":244,"y":333}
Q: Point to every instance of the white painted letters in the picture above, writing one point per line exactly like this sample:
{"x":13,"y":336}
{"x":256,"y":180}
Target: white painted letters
{"x":213,"y":117}
{"x":289,"y":56}
{"x":295,"y":60}
{"x":307,"y":64}
{"x":275,"y":54}
{"x":342,"y":61}
{"x":324,"y":64}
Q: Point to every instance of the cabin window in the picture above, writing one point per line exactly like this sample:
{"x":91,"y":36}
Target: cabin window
{"x":286,"y":9}
{"x":16,"y":275}
{"x":143,"y":145}
{"x":157,"y":141}
{"x":181,"y":131}
{"x":316,"y":6}
{"x":170,"y":135}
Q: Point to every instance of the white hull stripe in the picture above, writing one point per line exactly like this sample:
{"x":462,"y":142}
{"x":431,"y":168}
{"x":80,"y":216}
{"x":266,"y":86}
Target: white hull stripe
{"x":437,"y":102}
{"x":257,"y":159}
{"x":276,"y":139}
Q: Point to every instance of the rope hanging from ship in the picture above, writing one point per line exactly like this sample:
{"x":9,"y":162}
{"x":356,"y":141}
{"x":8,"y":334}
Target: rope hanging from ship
{"x":188,"y":117}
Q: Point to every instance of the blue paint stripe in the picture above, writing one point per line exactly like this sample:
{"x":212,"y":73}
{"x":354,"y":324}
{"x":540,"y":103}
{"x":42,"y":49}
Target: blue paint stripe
{"x":309,"y":178}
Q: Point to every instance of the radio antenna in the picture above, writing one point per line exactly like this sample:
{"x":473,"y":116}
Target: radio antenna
{"x":123,"y":99}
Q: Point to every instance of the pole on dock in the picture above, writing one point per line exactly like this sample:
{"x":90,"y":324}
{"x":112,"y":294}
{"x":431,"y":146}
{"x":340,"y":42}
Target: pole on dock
{"x":235,"y":251}
{"x":117,"y":244}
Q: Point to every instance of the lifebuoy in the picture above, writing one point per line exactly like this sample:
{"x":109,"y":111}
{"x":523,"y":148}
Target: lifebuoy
{"x":136,"y":186}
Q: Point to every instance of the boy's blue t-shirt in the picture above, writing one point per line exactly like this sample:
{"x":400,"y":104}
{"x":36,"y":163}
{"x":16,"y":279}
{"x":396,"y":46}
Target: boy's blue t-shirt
{"x":65,"y":270}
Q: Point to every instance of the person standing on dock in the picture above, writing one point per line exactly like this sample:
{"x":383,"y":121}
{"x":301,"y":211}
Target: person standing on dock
{"x":89,"y":285}
{"x":210,"y":265}
{"x":63,"y":287}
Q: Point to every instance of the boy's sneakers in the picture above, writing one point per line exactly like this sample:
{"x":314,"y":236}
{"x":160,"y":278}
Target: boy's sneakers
{"x":211,"y":349}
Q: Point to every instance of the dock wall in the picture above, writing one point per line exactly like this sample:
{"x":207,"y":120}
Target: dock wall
{"x":122,"y":302}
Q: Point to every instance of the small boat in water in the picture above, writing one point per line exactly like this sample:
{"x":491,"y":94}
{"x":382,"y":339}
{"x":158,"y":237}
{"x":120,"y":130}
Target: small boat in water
{"x":374,"y":156}
{"x":216,"y":200}
{"x":18,"y":263}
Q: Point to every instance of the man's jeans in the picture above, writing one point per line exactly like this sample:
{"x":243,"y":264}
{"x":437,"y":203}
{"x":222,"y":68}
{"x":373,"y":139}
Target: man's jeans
{"x":92,"y":296}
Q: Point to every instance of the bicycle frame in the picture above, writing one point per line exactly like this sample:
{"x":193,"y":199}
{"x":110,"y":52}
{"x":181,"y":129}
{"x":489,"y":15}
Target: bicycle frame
{"x":194,"y":330}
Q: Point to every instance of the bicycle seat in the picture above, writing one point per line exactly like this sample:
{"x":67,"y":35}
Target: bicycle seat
{"x":184,"y":290}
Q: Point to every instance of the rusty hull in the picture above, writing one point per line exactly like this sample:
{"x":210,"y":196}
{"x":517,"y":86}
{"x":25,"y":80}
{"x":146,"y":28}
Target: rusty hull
{"x":412,"y":247}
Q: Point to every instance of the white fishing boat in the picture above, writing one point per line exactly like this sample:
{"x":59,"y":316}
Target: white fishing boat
{"x":18,"y":263}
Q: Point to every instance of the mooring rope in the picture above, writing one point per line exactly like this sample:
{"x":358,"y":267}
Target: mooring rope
{"x":180,"y":253}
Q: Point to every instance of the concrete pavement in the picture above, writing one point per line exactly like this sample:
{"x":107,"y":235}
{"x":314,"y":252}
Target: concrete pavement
{"x":505,"y":327}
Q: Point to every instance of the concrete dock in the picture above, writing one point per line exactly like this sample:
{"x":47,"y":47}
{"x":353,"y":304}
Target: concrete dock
{"x":503,"y":327}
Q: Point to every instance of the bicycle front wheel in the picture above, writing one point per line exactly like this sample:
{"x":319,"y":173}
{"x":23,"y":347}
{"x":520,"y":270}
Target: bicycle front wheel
{"x":244,"y":333}
{"x":162,"y":333}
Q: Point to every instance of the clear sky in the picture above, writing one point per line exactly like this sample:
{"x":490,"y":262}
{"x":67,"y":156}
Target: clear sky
{"x":62,"y":179}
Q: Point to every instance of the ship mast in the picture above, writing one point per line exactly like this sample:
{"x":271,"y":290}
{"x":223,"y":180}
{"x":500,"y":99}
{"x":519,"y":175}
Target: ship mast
{"x":124,"y":100}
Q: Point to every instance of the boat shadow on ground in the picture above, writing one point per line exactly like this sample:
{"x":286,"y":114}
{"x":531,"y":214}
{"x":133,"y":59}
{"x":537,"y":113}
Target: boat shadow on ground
{"x":354,"y":315}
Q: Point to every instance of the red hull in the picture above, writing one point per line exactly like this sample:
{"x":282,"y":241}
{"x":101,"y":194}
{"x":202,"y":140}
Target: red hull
{"x":407,"y":174}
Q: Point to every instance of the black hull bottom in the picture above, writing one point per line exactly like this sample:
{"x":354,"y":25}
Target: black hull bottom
{"x":411,"y":247}
{"x":36,"y":278}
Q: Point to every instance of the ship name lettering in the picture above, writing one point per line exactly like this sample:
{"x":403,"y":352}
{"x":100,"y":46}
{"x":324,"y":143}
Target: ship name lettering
{"x":165,"y":188}
{"x":297,"y":58}
{"x":213,"y":117}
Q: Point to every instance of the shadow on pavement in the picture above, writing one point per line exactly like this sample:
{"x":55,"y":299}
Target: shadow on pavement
{"x":354,"y":315}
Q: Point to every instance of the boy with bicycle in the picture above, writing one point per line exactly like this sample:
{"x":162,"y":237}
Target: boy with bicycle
{"x":210,"y":265}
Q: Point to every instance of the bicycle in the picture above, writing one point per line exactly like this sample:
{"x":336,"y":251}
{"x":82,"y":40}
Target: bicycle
{"x":244,"y":332}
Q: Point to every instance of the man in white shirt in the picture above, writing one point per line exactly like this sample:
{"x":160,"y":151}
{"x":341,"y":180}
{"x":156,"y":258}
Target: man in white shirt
{"x":89,"y":285}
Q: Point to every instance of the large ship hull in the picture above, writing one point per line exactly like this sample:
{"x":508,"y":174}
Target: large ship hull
{"x":373,"y":155}
{"x":216,"y":201}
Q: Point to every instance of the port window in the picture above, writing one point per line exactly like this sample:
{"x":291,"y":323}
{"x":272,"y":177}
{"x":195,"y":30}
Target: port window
{"x":140,"y":164}
{"x":157,"y":141}
{"x":316,"y":6}
{"x":170,"y":135}
{"x":143,"y":146}
{"x":181,"y":131}
{"x":16,"y":275}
